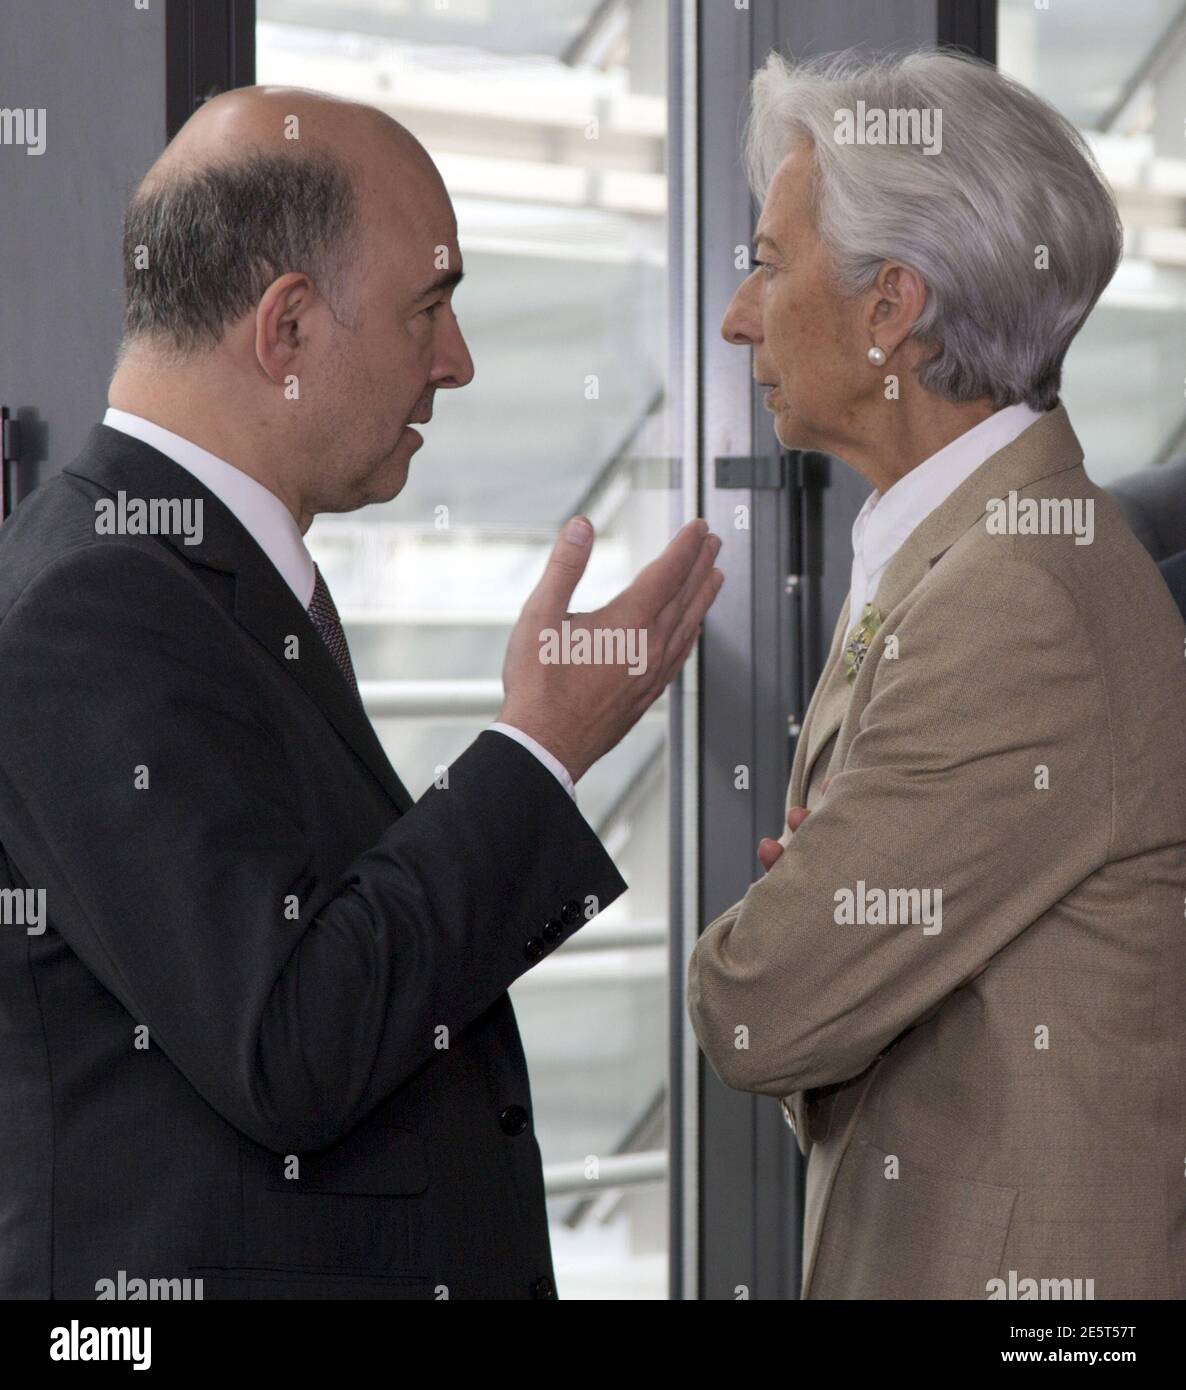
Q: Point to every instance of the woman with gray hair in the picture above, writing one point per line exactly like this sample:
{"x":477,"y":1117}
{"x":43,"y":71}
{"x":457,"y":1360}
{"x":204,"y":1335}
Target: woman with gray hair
{"x":962,"y":259}
{"x":964,"y":971}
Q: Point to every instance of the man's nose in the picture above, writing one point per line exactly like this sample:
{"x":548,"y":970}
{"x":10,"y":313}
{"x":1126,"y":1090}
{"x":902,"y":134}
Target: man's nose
{"x":455,"y":367}
{"x":740,"y":325}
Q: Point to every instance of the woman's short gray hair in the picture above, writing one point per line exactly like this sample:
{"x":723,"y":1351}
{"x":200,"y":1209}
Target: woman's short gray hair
{"x":1010,"y":177}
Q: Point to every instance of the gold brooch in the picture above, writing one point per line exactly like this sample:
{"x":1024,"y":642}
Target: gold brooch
{"x":859,"y":639}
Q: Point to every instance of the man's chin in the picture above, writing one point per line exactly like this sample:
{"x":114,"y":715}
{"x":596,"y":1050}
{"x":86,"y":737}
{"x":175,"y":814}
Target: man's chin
{"x":396,"y":473}
{"x":394,"y":482}
{"x":393,"y":478}
{"x":386,"y":480}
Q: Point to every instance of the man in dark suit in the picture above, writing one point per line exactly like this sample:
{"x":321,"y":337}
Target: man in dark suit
{"x":254,"y":1023}
{"x":1154,"y":505}
{"x":1173,"y":571}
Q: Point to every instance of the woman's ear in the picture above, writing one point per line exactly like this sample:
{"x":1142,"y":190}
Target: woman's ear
{"x":896,"y":302}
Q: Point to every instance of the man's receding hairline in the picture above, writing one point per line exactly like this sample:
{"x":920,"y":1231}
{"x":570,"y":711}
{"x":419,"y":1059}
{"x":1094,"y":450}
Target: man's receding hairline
{"x":177,"y":165}
{"x":178,"y":173}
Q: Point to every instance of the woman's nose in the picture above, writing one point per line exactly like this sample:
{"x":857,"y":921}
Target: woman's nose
{"x":739,"y":325}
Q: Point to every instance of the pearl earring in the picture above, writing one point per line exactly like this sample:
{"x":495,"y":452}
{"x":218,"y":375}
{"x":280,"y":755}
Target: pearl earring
{"x":876,"y":356}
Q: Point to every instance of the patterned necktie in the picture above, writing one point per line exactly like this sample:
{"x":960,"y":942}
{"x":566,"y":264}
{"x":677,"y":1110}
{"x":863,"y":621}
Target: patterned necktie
{"x":324,"y":617}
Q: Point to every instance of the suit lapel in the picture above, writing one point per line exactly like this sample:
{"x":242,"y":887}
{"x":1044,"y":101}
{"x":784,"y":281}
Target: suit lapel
{"x":264,"y":605}
{"x":267,"y":608}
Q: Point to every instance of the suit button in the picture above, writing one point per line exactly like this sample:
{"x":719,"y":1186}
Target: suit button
{"x":535,"y":948}
{"x":543,"y":1288}
{"x":553,"y":929}
{"x":513,"y":1119}
{"x":571,"y":913}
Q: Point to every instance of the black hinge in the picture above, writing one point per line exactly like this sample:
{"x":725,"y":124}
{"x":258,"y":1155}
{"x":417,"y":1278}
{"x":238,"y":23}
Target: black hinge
{"x":772,"y":471}
{"x":805,"y":469}
{"x":10,"y":453}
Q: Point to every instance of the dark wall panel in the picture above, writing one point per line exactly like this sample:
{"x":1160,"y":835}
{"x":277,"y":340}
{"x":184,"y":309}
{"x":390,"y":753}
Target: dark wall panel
{"x":98,"y":72}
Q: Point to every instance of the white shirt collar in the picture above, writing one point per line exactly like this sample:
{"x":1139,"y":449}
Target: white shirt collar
{"x":261,"y":512}
{"x":887,"y":519}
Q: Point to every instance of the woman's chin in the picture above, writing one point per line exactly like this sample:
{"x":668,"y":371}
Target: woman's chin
{"x":786,"y":430}
{"x":793,"y":432}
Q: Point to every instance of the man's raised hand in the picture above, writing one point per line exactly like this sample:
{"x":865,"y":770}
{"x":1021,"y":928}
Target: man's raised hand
{"x":578,"y":682}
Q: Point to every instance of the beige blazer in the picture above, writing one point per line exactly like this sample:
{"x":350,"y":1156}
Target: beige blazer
{"x":1003,"y":1098}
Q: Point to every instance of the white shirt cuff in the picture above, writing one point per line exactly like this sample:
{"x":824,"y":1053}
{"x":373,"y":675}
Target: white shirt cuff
{"x":554,"y":765}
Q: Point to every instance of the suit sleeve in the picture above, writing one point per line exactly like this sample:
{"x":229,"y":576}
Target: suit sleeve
{"x":942,"y":789}
{"x":174,"y":893}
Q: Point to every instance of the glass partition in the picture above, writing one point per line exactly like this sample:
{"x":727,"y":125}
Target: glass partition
{"x":1118,"y":72}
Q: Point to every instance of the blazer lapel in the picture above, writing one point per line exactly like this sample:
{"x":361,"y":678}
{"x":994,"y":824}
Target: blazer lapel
{"x":824,"y":714}
{"x":264,"y":605}
{"x":1048,"y":446}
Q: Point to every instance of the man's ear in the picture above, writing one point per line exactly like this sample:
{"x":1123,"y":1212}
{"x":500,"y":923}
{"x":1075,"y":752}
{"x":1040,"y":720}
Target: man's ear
{"x":278,"y":337}
{"x":896,"y":301}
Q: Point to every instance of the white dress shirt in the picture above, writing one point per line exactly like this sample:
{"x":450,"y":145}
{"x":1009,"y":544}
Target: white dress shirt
{"x":886,"y":519}
{"x":273,"y":528}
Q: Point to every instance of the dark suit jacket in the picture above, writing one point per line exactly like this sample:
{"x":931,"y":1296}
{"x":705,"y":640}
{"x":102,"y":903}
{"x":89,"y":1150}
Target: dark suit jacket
{"x":1154,"y":505}
{"x":260,"y":957}
{"x":1173,"y":571}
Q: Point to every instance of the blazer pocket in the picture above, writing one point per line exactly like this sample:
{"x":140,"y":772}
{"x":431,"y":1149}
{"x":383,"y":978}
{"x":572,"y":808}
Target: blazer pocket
{"x":243,"y":1282}
{"x":385,"y":1163}
{"x":921,"y":1234}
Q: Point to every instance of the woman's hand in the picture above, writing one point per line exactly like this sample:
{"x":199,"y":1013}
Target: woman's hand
{"x":769,"y":851}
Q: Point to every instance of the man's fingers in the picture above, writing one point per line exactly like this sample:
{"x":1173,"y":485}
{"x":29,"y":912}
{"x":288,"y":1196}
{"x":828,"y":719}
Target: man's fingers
{"x":562,"y":573}
{"x":674,"y":661}
{"x":659,"y":582}
{"x":688,"y":627}
{"x":669,"y":616}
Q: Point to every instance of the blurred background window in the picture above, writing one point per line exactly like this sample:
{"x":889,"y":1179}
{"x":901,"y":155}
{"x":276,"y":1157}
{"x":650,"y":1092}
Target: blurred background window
{"x":1118,"y":72}
{"x":548,"y":122}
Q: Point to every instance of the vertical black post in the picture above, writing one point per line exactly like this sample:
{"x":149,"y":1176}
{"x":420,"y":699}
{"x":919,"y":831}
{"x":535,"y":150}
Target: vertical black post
{"x":209,"y":48}
{"x":970,"y":25}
